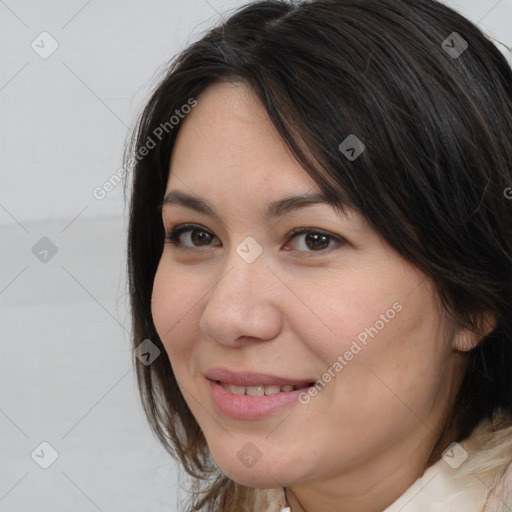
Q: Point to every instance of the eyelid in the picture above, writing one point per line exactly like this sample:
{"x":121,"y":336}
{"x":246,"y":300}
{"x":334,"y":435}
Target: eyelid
{"x":298,"y":231}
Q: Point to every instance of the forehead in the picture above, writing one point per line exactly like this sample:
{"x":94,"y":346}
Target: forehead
{"x":229,"y":136}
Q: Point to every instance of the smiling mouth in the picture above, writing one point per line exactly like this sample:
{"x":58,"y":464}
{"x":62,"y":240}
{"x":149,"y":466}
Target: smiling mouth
{"x":260,"y":390}
{"x":252,"y":396}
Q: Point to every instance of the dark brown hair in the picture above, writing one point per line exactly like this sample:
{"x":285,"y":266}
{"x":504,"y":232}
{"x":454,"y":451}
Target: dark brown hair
{"x":438,"y":158}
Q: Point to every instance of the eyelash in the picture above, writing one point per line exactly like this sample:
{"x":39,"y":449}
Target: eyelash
{"x":177,"y":230}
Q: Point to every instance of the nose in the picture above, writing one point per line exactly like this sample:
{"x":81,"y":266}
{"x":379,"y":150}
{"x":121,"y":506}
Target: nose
{"x":242,"y":306}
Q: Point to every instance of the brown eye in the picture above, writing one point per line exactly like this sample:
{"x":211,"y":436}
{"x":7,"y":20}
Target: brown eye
{"x":186,"y":236}
{"x":316,"y":241}
{"x":311,"y":240}
{"x":200,"y":237}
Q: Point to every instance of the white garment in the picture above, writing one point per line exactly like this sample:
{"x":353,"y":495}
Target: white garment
{"x":480,"y":482}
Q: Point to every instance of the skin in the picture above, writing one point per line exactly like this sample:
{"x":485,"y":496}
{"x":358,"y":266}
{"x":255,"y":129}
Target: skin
{"x":365,"y":438}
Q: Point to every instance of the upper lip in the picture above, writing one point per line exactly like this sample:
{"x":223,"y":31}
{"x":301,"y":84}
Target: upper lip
{"x":246,"y":378}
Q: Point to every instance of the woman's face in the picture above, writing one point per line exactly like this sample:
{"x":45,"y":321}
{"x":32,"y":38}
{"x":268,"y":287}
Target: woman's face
{"x":242,"y":300}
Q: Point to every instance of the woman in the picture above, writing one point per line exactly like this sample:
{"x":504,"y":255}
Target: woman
{"x":320,"y":247}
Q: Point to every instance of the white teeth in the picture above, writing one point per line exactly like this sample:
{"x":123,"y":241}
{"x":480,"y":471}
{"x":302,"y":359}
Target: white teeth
{"x":237,"y":390}
{"x":256,"y":390}
{"x":272,"y":390}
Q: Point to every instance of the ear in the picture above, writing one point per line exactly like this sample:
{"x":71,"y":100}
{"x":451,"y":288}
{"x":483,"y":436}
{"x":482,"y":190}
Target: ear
{"x":466,"y":339}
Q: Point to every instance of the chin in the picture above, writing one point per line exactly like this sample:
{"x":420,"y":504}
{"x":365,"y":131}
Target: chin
{"x":262,"y":474}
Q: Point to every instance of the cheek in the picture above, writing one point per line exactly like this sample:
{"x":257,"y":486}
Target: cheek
{"x":348,"y":312}
{"x":162,"y":303}
{"x":398,"y":366}
{"x":172,"y":308}
{"x":377,"y":329}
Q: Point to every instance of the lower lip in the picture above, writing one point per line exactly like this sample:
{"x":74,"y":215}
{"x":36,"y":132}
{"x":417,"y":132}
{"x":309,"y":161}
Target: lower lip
{"x":243,"y":407}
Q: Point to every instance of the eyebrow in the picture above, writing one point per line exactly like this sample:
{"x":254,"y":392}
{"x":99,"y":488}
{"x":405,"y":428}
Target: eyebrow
{"x":276,"y":209}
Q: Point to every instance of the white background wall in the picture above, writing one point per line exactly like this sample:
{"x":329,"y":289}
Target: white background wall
{"x":65,"y":366}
